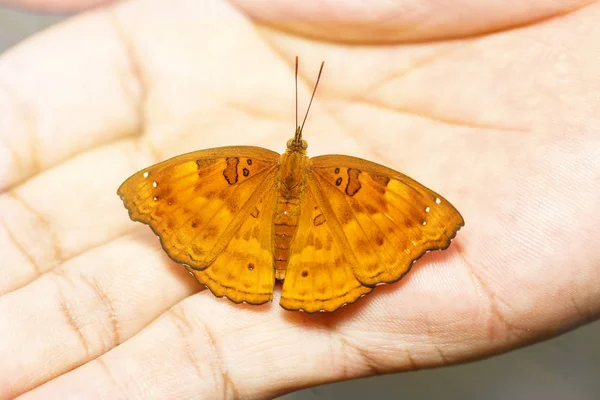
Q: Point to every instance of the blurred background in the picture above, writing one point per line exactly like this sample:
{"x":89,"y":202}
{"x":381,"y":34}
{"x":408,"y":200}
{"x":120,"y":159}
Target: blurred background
{"x":567,"y":367}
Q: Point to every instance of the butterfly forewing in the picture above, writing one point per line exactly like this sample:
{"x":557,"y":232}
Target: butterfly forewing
{"x":199,"y":204}
{"x":385,"y":219}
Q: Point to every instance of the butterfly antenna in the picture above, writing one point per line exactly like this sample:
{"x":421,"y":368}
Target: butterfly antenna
{"x":311,"y":99}
{"x":296,"y":79}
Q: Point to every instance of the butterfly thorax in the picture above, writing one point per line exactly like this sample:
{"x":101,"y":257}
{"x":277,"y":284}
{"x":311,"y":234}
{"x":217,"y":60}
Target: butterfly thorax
{"x":287,"y":209}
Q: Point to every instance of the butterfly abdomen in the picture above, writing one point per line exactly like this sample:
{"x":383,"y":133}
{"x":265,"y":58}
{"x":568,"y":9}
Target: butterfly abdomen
{"x":287,"y":209}
{"x":285,"y":223}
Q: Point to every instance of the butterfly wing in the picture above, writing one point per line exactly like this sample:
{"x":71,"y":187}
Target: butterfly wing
{"x":384,"y":219}
{"x":243,"y":271}
{"x":361,"y":224}
{"x":319,"y":275}
{"x":205,"y":207}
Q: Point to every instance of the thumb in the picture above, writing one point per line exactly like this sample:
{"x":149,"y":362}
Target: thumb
{"x":385,"y":21}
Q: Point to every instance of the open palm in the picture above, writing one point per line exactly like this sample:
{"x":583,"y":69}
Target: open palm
{"x":505,"y":125}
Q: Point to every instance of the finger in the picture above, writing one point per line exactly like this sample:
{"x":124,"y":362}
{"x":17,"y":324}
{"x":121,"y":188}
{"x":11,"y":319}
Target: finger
{"x":62,"y":93}
{"x":402,"y":20}
{"x":66,"y":211}
{"x":209,"y":348}
{"x":91,"y":304}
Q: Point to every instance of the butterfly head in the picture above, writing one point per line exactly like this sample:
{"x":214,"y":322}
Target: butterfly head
{"x":297,"y":143}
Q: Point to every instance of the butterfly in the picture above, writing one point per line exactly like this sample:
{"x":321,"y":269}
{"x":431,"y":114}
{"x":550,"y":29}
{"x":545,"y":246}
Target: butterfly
{"x":330,"y":227}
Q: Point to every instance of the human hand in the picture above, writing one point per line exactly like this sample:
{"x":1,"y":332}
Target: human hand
{"x":502,"y":124}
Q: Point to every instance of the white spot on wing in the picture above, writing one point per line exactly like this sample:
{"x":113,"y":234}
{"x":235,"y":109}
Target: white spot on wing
{"x":437,"y":200}
{"x":155,"y":198}
{"x":424,"y":222}
{"x":146,"y":174}
{"x":155,"y":184}
{"x":427,"y":209}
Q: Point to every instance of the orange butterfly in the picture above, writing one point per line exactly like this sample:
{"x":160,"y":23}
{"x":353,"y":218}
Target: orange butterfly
{"x":331,"y":227}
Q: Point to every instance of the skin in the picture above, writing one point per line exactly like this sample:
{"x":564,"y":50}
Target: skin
{"x":502,"y":120}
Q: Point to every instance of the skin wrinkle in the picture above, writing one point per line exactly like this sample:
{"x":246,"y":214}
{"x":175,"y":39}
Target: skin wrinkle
{"x":345,"y":362}
{"x":578,"y":310}
{"x":19,"y":163}
{"x":374,"y":366}
{"x":69,"y":317}
{"x":62,"y":273}
{"x":111,"y":377}
{"x":62,"y":262}
{"x":424,"y":40}
{"x":377,"y":155}
{"x":363,"y":97}
{"x":370,"y":364}
{"x":184,"y":327}
{"x":56,"y":249}
{"x":139,"y":142}
{"x":416,"y":65}
{"x":21,"y":249}
{"x":445,"y":361}
{"x":412,"y":364}
{"x":495,"y":315}
{"x":256,"y":113}
{"x":227,"y":381}
{"x":107,"y":303}
{"x":219,"y":366}
{"x":140,"y":101}
{"x":144,"y":141}
{"x":29,"y":118}
{"x":328,"y":327}
{"x":434,"y":118}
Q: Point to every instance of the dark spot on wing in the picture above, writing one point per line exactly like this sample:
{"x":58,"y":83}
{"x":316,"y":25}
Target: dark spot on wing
{"x":380,"y":179}
{"x":319,"y":219}
{"x":318,"y":244}
{"x":231,"y":171}
{"x":353,"y":185}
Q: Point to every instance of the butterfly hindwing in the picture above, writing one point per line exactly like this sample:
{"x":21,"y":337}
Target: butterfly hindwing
{"x":319,"y":275}
{"x":386,"y":220}
{"x":243,"y":270}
